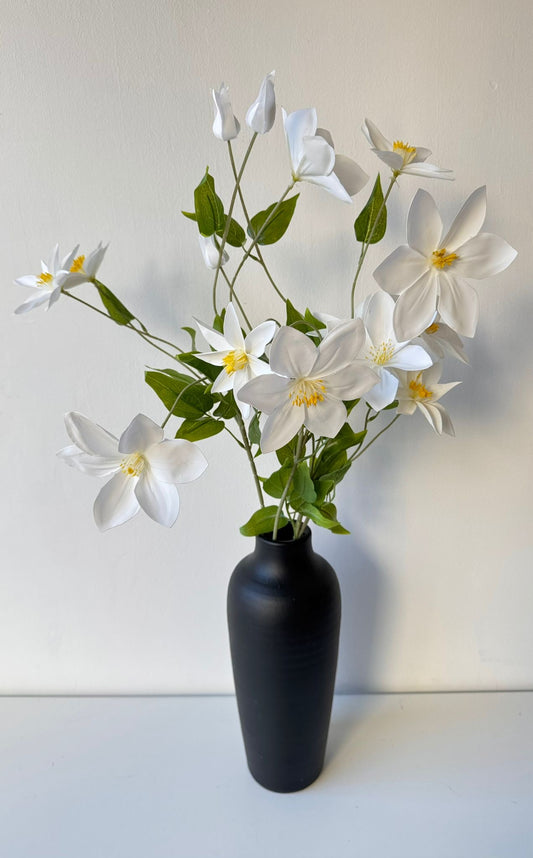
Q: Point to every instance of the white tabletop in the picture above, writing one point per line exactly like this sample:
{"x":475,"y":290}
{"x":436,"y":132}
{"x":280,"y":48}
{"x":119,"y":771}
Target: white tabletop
{"x":414,"y":775}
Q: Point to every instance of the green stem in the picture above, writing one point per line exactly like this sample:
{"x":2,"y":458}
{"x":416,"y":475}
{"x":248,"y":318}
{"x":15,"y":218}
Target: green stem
{"x":239,"y":305}
{"x":366,"y":245}
{"x":177,"y":399}
{"x":288,"y":484}
{"x":228,"y":219}
{"x":250,"y":455}
{"x":258,"y":236}
{"x":375,"y":438}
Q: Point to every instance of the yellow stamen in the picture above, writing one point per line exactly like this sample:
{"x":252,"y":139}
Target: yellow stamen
{"x":77,"y":265}
{"x":432,"y":328}
{"x":45,"y":278}
{"x":442,"y":259}
{"x":133,"y":465}
{"x":382,"y":354}
{"x":307,"y":391}
{"x":407,"y":152}
{"x":418,"y":391}
{"x":235,"y":361}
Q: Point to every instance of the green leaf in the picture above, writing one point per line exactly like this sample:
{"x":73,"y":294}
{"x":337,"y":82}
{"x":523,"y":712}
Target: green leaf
{"x":197,"y":430}
{"x":227,"y":407}
{"x":350,"y":405}
{"x":318,"y":515}
{"x":116,"y":309}
{"x":236,"y":235}
{"x":276,"y":227}
{"x":368,"y":228}
{"x":207,"y":369}
{"x":313,"y":321}
{"x":208,"y":207}
{"x":346,"y":438}
{"x":190,"y":215}
{"x":323,"y":487}
{"x":391,"y":406}
{"x":192,"y":334}
{"x":254,"y":432}
{"x":286,"y":453}
{"x":330,"y":509}
{"x":262,"y":521}
{"x":168,"y":384}
{"x":275,"y":484}
{"x":302,"y":485}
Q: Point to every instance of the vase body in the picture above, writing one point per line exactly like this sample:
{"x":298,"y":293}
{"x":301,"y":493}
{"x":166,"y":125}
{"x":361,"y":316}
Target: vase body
{"x":284,"y":610}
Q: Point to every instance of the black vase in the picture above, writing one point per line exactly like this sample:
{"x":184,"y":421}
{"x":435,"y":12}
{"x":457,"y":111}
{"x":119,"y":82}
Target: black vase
{"x":284,"y":611}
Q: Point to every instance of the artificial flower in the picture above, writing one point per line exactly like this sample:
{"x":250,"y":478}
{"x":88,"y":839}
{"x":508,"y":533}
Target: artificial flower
{"x":240,"y":356}
{"x":442,"y":340}
{"x":225,"y":126}
{"x":421,"y":390}
{"x":83,"y":268}
{"x":308,"y":383}
{"x":428,"y":271}
{"x":48,"y":283}
{"x":401,"y":157}
{"x":382,"y":350}
{"x":211,"y":252}
{"x":144,"y":468}
{"x":262,"y":113}
{"x":313,"y":157}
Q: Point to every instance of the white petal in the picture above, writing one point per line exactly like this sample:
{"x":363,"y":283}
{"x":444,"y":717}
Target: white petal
{"x":266,"y":392}
{"x":223,"y":382}
{"x":258,"y":367}
{"x":31,"y":303}
{"x":262,"y":113}
{"x":351,"y":176}
{"x":176,"y":461}
{"x":377,"y":316}
{"x":214,"y":358}
{"x":257,"y":340}
{"x":299,"y":124}
{"x":325,"y":418}
{"x":214,"y":338}
{"x":351,"y":382}
{"x":415,"y":308}
{"x":27,"y":280}
{"x":281,"y":425}
{"x":383,"y":393}
{"x":53,"y":263}
{"x":332,"y":185}
{"x":55,"y":295}
{"x":292,"y":353}
{"x":90,"y":437}
{"x":424,"y":224}
{"x":210,"y":251}
{"x":68,"y":260}
{"x":94,"y":466}
{"x":410,"y":358}
{"x":428,"y":171}
{"x":400,"y":270}
{"x":339,"y":348}
{"x":232,"y":328}
{"x":317,"y":158}
{"x":458,"y":304}
{"x":446,"y":423}
{"x":158,"y":500}
{"x":421,"y":155}
{"x":483,"y":256}
{"x":374,"y":136}
{"x":432,"y":415}
{"x":468,"y":222}
{"x":392,"y":159}
{"x":225,"y":125}
{"x":116,"y":502}
{"x":140,"y":434}
{"x":94,"y":260}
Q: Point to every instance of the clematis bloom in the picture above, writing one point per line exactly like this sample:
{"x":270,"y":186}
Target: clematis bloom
{"x":314,"y":160}
{"x":428,"y":272}
{"x":225,"y":125}
{"x":262,"y":113}
{"x":441,"y":340}
{"x":238,"y":355}
{"x":401,"y":157}
{"x":308,"y":383}
{"x":421,"y":390}
{"x":143,"y":466}
{"x":48,"y":283}
{"x":83,"y":268}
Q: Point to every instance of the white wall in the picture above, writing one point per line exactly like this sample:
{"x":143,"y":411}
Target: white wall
{"x":106,"y":129}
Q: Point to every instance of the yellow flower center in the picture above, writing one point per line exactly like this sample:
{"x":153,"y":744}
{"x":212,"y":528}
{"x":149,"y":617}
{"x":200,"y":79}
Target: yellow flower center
{"x":133,"y":465}
{"x":407,"y":152}
{"x":235,"y":361}
{"x":45,"y":279}
{"x":418,"y":391}
{"x":307,"y":391}
{"x":77,"y":265}
{"x":382,"y":354}
{"x":432,"y":328}
{"x":442,"y":259}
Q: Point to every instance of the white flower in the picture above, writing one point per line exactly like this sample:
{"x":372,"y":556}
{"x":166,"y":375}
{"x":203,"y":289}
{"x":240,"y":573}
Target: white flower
{"x":382,"y":350}
{"x":48,"y":283}
{"x":309,"y":384}
{"x":442,"y":340}
{"x":144,"y":468}
{"x":401,"y":157}
{"x":428,"y":271}
{"x":211,"y":252}
{"x":237,"y":354}
{"x":262,"y":113}
{"x":225,"y":126}
{"x":421,"y":390}
{"x":85,"y":268}
{"x":313,"y":157}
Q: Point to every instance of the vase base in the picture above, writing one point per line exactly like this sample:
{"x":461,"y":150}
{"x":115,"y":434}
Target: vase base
{"x":286,"y":785}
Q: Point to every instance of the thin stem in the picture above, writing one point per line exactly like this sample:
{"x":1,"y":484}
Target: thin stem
{"x":239,"y":305}
{"x":258,"y":236}
{"x":288,"y":484}
{"x":247,"y":447}
{"x":375,"y":438}
{"x":366,"y":245}
{"x":228,"y":219}
{"x":178,"y":397}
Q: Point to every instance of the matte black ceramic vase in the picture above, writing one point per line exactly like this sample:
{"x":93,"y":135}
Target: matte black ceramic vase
{"x":284,"y":611}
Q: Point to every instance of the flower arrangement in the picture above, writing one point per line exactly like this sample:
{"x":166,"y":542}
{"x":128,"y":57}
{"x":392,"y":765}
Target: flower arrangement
{"x":311,"y":386}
